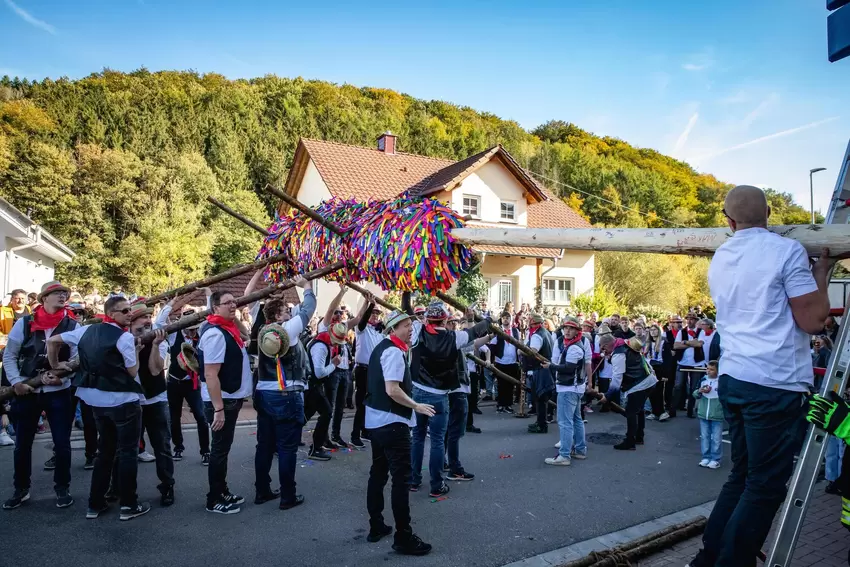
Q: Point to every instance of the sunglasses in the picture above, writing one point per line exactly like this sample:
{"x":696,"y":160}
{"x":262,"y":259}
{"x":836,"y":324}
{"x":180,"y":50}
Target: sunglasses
{"x":125,"y":311}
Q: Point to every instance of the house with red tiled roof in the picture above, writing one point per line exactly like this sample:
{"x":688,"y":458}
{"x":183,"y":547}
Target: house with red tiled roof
{"x":490,"y":187}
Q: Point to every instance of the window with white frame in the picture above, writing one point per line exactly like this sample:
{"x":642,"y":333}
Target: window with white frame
{"x":505,"y":293}
{"x":557,"y":290}
{"x":472,"y":206}
{"x":508,"y":211}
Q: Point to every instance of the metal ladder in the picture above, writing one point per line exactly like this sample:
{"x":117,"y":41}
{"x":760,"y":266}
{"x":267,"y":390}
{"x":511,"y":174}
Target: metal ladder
{"x":836,"y":379}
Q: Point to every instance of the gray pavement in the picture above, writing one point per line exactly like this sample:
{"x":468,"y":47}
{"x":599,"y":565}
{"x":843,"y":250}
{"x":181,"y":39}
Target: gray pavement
{"x":515,"y":508}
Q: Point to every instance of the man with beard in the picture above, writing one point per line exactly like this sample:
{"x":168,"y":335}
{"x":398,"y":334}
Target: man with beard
{"x":25,"y":357}
{"x":16,"y":309}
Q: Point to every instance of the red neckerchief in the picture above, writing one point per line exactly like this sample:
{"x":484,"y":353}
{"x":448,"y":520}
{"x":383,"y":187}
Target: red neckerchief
{"x":431,"y":329}
{"x":708,"y":332}
{"x":691,"y":333}
{"x":42,"y":320}
{"x":533,"y":329}
{"x":325,"y":338}
{"x":569,"y":342}
{"x":108,"y":319}
{"x":229,"y":326}
{"x":400,"y":343}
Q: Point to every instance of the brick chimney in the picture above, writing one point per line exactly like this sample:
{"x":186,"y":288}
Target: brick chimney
{"x":386,"y":142}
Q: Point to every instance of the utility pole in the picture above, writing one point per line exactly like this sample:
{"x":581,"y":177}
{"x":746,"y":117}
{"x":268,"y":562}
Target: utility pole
{"x":812,"y":190}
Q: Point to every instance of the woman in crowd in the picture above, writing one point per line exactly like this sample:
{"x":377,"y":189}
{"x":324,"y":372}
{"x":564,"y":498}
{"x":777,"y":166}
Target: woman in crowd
{"x":653,"y":350}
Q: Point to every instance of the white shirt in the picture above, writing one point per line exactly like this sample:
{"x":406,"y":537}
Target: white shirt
{"x":293,"y":328}
{"x":163,"y":396}
{"x":318,"y":354}
{"x":393,"y":365}
{"x":367,"y":340}
{"x":575,"y":353}
{"x":461,"y":339}
{"x":752,"y":276}
{"x":509,"y":354}
{"x":606,"y":371}
{"x":688,"y":356}
{"x":213,"y":344}
{"x":13,"y":349}
{"x":101,"y":398}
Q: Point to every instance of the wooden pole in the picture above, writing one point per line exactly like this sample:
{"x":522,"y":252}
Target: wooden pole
{"x":188,"y":288}
{"x":692,"y":241}
{"x":8,"y":392}
{"x":363,"y":291}
{"x":295,"y":203}
{"x":237,"y":216}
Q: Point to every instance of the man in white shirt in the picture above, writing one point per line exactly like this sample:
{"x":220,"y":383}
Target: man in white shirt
{"x":108,"y":382}
{"x":325,"y":356}
{"x":24,"y":358}
{"x":225,"y":373}
{"x":389,"y":416}
{"x":769,"y":301}
{"x":506,"y":360}
{"x":368,"y":334}
{"x":688,"y":348}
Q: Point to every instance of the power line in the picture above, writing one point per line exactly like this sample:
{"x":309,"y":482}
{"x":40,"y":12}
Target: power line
{"x":571,"y":188}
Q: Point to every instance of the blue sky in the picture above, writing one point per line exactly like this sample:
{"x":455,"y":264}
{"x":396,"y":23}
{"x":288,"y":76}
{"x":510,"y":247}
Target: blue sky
{"x":742,"y":90}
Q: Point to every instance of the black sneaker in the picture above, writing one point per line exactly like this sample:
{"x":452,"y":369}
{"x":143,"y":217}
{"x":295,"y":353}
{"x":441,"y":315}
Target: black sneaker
{"x":473,"y":429}
{"x":130,"y":512}
{"x":167,"y":498}
{"x":832,"y":488}
{"x":442,"y":491}
{"x":357,"y":443}
{"x":625,"y":446}
{"x":93,"y":513}
{"x":63,"y":498}
{"x":205,"y":459}
{"x":320,"y":455}
{"x":89,"y":464}
{"x":500,"y":409}
{"x":535,"y":428}
{"x":340,"y":442}
{"x":461,"y":475}
{"x":375,"y":535}
{"x":299,"y":500}
{"x":639,"y":442}
{"x":50,"y":464}
{"x":508,"y":409}
{"x":18,"y":498}
{"x":411,"y":545}
{"x":414,"y":487}
{"x":223,"y":508}
{"x":229,"y":498}
{"x":330,"y":445}
{"x":267,"y":496}
{"x":177,"y":456}
{"x":366,"y":436}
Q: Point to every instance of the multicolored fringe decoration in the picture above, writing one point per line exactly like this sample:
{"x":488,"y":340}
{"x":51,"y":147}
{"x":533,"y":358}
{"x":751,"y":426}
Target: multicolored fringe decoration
{"x":401,"y":245}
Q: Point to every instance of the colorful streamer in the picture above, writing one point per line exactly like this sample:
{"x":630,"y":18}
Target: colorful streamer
{"x":401,"y":245}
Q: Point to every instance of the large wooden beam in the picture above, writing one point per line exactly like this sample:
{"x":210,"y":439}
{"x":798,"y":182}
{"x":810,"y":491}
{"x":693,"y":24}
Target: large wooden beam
{"x":691,"y":241}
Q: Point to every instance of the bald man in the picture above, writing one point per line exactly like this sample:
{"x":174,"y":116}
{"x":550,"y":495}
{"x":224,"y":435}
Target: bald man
{"x":769,"y":300}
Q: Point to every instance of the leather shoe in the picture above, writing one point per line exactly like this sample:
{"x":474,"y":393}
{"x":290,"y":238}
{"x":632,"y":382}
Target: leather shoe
{"x":299,"y":500}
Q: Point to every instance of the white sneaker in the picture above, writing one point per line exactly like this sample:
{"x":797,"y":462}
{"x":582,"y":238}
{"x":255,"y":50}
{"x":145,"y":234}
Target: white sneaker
{"x":651,"y":417}
{"x":146,"y":457}
{"x":713,"y":465}
{"x":558,"y":445}
{"x":558,"y":461}
{"x":704,"y":463}
{"x":5,"y":440}
{"x":664,"y":416}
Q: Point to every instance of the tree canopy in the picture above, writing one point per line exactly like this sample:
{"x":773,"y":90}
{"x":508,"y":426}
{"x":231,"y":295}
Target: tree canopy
{"x":118,"y":165}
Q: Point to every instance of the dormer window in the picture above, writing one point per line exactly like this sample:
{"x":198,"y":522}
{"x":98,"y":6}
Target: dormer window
{"x":472,"y":206}
{"x":508,"y":211}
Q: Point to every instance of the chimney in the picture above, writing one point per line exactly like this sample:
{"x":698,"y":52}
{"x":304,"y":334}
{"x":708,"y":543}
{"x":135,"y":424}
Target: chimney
{"x":386,"y":142}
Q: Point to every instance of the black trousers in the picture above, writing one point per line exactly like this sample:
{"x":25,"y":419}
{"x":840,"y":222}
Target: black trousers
{"x":222,"y":440}
{"x":179,"y":390}
{"x":89,"y":426}
{"x":475,"y":380}
{"x":390,"y":456}
{"x":542,"y":407}
{"x":635,"y":418}
{"x":360,"y":386}
{"x":505,"y":396}
{"x":656,"y":394}
{"x":336,"y":387}
{"x":315,"y":401}
{"x":155,"y":421}
{"x":118,"y":436}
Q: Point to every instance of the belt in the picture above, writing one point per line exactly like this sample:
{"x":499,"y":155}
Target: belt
{"x":361,"y":365}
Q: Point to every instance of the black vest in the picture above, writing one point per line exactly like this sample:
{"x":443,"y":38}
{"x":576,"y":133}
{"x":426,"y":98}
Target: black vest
{"x":499,"y":350}
{"x":437,"y":360}
{"x":230,"y":373}
{"x":291,"y":363}
{"x":33,"y":355}
{"x":175,"y":350}
{"x":310,"y":346}
{"x":635,"y":368}
{"x":531,"y":363}
{"x":376,"y":396}
{"x":699,"y":353}
{"x":101,"y":363}
{"x":572,"y":372}
{"x":152,"y":384}
{"x":255,"y":331}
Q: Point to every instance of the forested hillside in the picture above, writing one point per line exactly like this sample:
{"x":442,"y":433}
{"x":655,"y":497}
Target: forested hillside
{"x":118,"y":164}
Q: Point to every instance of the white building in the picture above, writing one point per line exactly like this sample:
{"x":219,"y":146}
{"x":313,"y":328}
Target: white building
{"x":30,"y":253}
{"x":489,"y":186}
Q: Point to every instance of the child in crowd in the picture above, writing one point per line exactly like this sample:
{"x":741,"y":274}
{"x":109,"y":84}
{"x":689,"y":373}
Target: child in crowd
{"x":710,"y":414}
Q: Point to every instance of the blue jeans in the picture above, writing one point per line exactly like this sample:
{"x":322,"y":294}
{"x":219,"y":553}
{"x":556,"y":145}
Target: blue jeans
{"x":280,"y":419}
{"x":570,"y":424}
{"x":458,"y":407}
{"x":710,"y":439}
{"x":834,"y":455}
{"x":764,"y":430}
{"x":27,"y":410}
{"x":436,"y":427}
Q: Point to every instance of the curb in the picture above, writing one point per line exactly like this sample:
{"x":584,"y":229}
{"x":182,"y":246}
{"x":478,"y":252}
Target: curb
{"x":613,"y":539}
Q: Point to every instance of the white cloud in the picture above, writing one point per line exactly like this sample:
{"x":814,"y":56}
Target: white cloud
{"x":30,"y":19}
{"x":700,"y":61}
{"x":694,"y":66}
{"x":760,"y":110}
{"x":683,"y":137}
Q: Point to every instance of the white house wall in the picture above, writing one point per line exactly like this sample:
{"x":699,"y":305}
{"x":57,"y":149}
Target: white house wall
{"x":28,"y":269}
{"x":492,"y":183}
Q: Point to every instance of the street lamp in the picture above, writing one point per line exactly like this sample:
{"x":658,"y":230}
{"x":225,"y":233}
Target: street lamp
{"x":812,"y":189}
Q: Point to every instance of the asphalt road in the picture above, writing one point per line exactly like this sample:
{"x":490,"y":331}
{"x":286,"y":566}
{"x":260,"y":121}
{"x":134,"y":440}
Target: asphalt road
{"x":516,"y":507}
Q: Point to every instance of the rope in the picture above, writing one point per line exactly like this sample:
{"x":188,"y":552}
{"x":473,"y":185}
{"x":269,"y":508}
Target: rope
{"x":620,"y":559}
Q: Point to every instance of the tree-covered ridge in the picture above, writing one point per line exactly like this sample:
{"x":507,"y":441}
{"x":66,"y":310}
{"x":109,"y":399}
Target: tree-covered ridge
{"x":118,"y":164}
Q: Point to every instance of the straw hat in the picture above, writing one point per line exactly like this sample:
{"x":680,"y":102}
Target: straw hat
{"x":634,"y":344}
{"x":337,"y":333}
{"x":273,"y":340}
{"x":51,"y":287}
{"x":394,"y":319}
{"x":188,"y":358}
{"x":140,"y":310}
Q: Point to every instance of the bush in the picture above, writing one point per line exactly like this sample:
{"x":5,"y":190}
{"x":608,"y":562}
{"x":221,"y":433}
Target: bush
{"x":600,"y":299}
{"x":472,"y":287}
